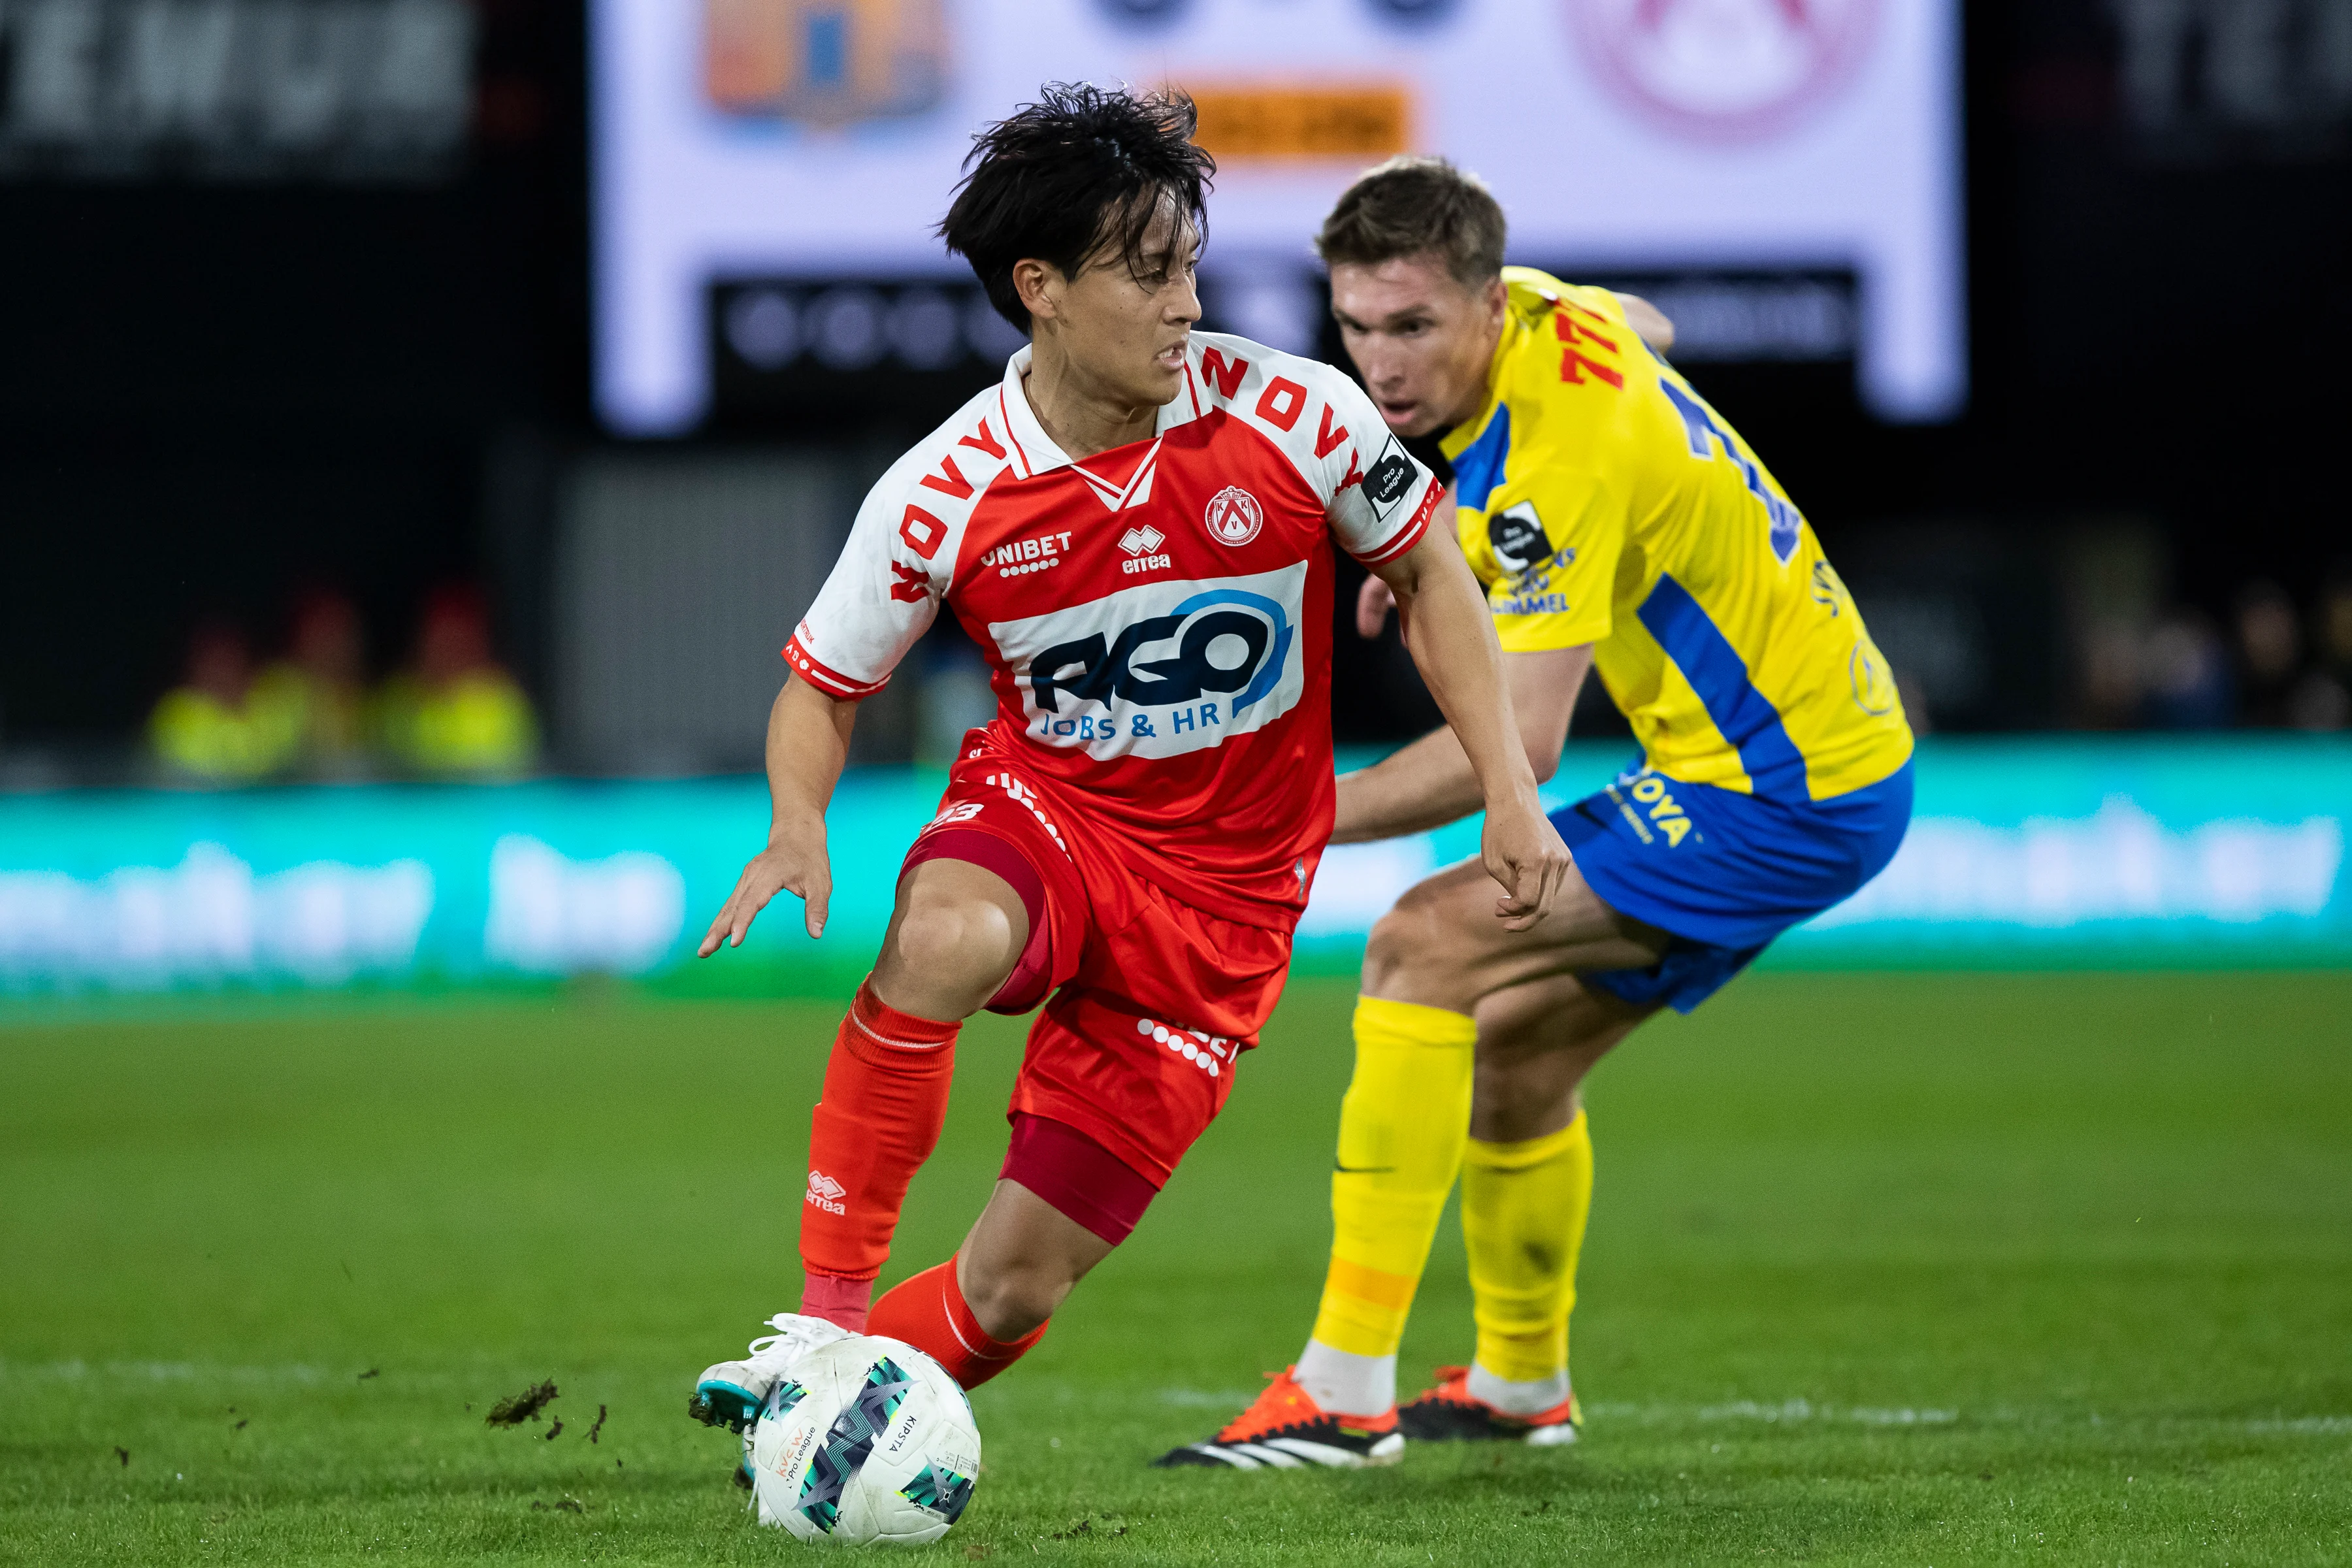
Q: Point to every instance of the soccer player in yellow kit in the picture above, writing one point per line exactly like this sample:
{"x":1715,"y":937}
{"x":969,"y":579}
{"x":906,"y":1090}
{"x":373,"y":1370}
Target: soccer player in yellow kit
{"x":1618,"y":524}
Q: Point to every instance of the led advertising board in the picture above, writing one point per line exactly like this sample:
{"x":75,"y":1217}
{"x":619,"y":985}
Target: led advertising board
{"x":2096,"y":852}
{"x":768,"y":173}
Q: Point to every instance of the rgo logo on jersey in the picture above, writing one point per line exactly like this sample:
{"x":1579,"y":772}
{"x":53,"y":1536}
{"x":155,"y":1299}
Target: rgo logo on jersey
{"x":1162,"y":669}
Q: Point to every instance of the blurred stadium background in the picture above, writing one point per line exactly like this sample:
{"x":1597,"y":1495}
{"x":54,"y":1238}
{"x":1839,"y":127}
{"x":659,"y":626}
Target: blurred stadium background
{"x":426,"y":419}
{"x":418,"y":390}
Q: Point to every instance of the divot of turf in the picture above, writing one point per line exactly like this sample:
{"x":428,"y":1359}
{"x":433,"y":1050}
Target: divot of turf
{"x":516,"y":1408}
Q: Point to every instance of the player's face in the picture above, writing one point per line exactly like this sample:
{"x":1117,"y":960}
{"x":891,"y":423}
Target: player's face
{"x":1126,"y":328}
{"x":1422,"y":340}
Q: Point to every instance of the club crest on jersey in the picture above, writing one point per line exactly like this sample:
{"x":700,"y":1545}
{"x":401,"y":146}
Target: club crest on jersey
{"x":1234,"y":516}
{"x":1162,"y":669}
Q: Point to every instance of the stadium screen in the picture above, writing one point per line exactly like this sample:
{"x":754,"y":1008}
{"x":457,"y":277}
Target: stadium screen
{"x":1783,"y":174}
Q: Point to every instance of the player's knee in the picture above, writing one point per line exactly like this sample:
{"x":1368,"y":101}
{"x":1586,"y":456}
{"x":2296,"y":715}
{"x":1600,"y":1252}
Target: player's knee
{"x":1402,"y":944}
{"x":1384,"y":951}
{"x":954,"y":941}
{"x":1511,"y":1102}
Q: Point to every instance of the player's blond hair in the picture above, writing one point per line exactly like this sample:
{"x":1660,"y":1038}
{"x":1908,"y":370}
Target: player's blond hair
{"x":1417,"y":206}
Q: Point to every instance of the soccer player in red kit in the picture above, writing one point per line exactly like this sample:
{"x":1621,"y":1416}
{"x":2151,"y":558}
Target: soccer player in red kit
{"x":1135,"y":527}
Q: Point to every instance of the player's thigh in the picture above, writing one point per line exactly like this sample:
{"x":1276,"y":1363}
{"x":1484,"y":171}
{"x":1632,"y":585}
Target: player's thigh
{"x":1536,"y":1041}
{"x":955,"y":933}
{"x":1444,"y":945}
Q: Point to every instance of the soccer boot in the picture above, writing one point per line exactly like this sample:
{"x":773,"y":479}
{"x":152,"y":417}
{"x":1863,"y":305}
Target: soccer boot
{"x":729,"y":1393}
{"x":1287,"y":1430}
{"x":1451,"y":1413}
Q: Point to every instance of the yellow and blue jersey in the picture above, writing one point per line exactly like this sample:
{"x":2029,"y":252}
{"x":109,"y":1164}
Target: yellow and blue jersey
{"x":1601,"y":500}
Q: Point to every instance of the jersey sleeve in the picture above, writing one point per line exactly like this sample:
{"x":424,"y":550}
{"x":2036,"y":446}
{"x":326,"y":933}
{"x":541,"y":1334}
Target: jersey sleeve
{"x":1378,"y":496}
{"x":1548,"y":540}
{"x":881,"y":597}
{"x":1546,"y":548}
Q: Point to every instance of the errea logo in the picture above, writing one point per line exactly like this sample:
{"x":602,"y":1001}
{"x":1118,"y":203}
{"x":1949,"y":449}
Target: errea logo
{"x":1139,"y":545}
{"x":825,"y":1192}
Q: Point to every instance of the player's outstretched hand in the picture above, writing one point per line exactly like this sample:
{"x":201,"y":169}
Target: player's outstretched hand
{"x":1523,"y":852}
{"x":793,"y":862}
{"x":1374,"y":600}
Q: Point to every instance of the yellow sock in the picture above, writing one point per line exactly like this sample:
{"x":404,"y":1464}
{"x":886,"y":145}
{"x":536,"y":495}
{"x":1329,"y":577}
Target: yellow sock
{"x":1401,"y":1127}
{"x":1523,"y":1212}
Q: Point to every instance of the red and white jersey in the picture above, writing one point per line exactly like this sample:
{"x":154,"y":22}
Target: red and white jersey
{"x":1157,"y":618}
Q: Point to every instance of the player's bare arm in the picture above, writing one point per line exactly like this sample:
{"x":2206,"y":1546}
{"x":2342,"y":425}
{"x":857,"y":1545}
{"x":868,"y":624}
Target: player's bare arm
{"x":1648,"y":320}
{"x":1431,"y":782}
{"x":808,"y":741}
{"x":1452,"y":638}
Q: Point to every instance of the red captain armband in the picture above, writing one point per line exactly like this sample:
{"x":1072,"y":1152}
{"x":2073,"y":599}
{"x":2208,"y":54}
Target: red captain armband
{"x":830,"y":681}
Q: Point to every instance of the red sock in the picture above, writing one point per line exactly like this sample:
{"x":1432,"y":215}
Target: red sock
{"x":929,"y":1313}
{"x":886,"y":1094}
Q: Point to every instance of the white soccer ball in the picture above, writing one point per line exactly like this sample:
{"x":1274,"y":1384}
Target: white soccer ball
{"x":868,"y":1440}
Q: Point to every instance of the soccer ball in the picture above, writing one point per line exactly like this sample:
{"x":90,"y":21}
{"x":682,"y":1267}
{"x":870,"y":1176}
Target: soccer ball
{"x":868,"y":1440}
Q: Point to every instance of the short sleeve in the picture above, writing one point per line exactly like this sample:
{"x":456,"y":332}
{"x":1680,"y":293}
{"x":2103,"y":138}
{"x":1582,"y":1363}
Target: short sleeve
{"x":881,"y":597}
{"x":1378,"y":496}
{"x":1546,"y":547}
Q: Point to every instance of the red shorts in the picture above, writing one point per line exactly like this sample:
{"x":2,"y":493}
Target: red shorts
{"x":1149,"y":1002}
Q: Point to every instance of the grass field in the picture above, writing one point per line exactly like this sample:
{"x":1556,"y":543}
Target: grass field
{"x":1930,"y":1269}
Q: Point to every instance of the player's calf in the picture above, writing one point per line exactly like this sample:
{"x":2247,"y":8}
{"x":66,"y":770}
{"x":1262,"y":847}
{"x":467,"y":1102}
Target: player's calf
{"x":1023,"y":1257}
{"x":1062,"y":1202}
{"x":885,"y":1100}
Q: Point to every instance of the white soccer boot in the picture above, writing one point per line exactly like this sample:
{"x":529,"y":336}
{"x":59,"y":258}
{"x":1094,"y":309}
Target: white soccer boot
{"x":730,"y":1392}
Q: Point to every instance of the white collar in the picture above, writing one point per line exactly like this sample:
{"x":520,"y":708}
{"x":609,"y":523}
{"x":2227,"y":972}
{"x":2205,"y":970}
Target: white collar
{"x":1036,"y":452}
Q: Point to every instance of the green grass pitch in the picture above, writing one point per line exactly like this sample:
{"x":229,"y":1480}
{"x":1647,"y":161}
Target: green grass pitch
{"x":1922,"y":1269}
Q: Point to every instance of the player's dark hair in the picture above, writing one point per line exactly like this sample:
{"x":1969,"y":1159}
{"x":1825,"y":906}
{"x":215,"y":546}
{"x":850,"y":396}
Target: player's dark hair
{"x":1417,"y":206}
{"x":1081,"y":171}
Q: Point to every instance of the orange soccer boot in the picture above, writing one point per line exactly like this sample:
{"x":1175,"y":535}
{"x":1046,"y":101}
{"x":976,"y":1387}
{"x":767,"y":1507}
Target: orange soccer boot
{"x":1287,"y":1430}
{"x":1451,"y":1413}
